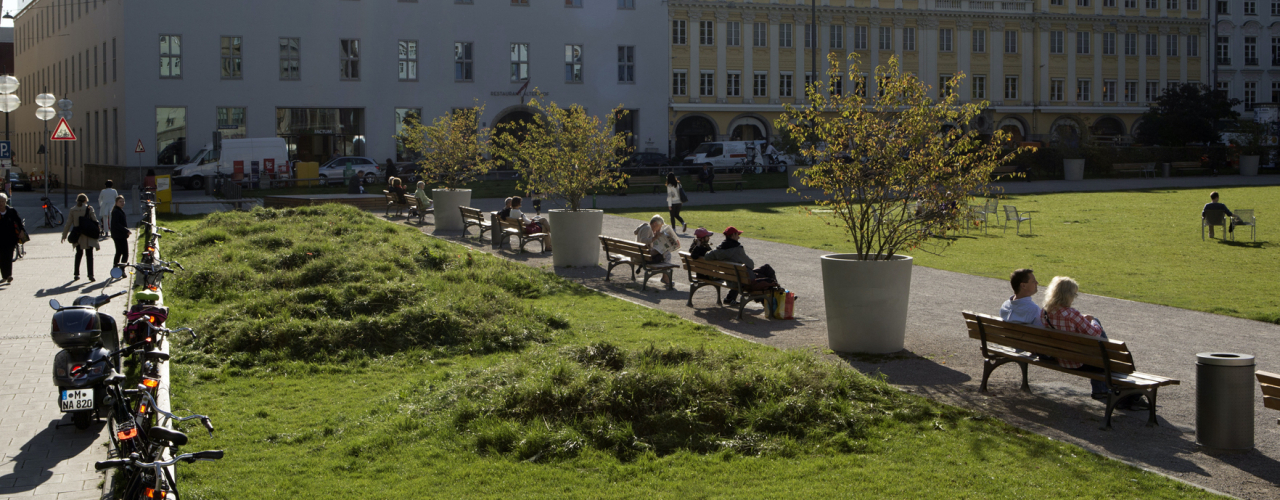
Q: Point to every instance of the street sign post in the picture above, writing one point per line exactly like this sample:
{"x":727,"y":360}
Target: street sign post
{"x":6,"y":151}
{"x":63,"y":131}
{"x":139,"y":149}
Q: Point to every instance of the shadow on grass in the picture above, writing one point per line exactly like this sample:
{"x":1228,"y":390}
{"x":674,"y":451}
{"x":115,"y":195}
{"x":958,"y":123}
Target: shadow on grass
{"x":1246,"y":244}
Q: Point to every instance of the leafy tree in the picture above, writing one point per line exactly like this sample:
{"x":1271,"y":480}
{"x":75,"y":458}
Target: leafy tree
{"x":1184,"y":114}
{"x":565,"y":153}
{"x":452,"y":150}
{"x":888,"y":166}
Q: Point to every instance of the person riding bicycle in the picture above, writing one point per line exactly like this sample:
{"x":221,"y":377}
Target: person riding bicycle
{"x":771,"y":154}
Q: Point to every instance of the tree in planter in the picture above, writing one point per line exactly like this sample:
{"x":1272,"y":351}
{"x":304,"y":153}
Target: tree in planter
{"x":888,"y":166}
{"x":565,"y":153}
{"x":1184,"y":114}
{"x":452,"y":150}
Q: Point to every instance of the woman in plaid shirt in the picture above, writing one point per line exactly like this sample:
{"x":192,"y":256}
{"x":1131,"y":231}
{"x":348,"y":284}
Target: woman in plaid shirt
{"x":1059,"y":315}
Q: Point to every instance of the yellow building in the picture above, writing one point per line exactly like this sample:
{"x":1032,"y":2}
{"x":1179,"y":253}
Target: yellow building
{"x":1052,"y":70}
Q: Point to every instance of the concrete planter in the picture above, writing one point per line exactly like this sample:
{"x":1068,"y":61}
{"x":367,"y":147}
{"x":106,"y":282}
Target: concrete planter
{"x":1249,"y":165}
{"x":795,"y":173}
{"x":1073,"y":170}
{"x":446,"y":204}
{"x":575,"y":237}
{"x":866,"y":302}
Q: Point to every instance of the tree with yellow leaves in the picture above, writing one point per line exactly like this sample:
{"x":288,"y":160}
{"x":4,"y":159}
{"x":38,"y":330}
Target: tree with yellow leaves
{"x":453,"y":148}
{"x":896,"y":167}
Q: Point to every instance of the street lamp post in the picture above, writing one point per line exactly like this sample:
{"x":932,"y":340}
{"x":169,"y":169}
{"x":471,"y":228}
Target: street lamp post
{"x":8,"y":102}
{"x":65,"y":105}
{"x":46,"y":113}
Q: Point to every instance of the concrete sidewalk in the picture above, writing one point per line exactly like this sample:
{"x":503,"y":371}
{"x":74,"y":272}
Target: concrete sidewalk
{"x":943,"y":363}
{"x":41,"y":461}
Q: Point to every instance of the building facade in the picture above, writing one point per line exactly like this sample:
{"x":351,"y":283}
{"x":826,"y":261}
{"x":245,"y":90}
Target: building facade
{"x":1052,"y":70}
{"x":1247,"y":52}
{"x":337,"y":77}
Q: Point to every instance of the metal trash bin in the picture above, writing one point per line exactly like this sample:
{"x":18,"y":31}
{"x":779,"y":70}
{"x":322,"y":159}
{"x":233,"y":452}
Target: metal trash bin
{"x":1224,"y":400}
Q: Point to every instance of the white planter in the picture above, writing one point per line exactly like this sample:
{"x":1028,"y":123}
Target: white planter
{"x":446,"y":203}
{"x":866,"y":302}
{"x":1073,"y":170}
{"x":575,"y":237}
{"x":795,"y":176}
{"x":1248,"y":165}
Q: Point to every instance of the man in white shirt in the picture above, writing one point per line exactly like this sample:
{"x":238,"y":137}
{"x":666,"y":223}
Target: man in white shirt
{"x":106,"y":201}
{"x":1020,"y":308}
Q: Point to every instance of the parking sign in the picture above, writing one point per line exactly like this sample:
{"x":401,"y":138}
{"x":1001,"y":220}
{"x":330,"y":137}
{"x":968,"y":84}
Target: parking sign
{"x":6,"y":153}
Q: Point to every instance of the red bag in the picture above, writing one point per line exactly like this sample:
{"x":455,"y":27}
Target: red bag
{"x":533,"y":228}
{"x":789,"y":306}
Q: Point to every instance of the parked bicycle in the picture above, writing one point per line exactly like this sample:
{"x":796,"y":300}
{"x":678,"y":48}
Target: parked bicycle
{"x":52,"y":216}
{"x":152,"y":480}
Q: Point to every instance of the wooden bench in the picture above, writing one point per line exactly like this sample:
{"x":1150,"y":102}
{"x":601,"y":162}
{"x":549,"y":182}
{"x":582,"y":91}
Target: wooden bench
{"x":656,"y":181}
{"x":1270,"y":383}
{"x":1004,"y":342}
{"x":1011,"y":171}
{"x":239,"y":204}
{"x":634,"y":254}
{"x":735,"y":179}
{"x":1142,"y":169}
{"x":409,"y":201}
{"x":1185,"y":165}
{"x":718,"y":274}
{"x":514,"y":227}
{"x":474,"y":217}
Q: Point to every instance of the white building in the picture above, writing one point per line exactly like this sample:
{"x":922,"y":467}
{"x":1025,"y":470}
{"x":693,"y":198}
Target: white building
{"x":331,"y":76}
{"x":1247,"y":52}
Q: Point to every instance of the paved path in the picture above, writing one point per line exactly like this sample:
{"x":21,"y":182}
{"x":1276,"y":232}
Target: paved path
{"x":941,"y":362}
{"x":41,"y":461}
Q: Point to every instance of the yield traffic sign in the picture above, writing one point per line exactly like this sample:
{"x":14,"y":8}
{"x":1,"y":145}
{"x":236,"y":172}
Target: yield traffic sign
{"x":63,"y":131}
{"x":139,"y":148}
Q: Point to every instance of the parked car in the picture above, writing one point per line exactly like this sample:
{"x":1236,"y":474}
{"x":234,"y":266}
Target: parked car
{"x":332,"y":170}
{"x":20,"y":182}
{"x":646,"y":160}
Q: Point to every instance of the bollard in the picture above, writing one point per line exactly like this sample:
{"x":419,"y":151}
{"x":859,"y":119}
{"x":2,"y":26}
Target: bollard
{"x":1224,"y":400}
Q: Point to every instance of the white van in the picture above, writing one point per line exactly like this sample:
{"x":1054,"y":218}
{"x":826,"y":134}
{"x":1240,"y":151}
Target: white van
{"x":725,"y":153}
{"x":236,"y":156}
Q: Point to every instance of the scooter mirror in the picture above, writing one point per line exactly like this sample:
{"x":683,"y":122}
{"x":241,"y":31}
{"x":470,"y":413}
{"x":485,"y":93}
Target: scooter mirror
{"x":117,"y":273}
{"x":54,"y":304}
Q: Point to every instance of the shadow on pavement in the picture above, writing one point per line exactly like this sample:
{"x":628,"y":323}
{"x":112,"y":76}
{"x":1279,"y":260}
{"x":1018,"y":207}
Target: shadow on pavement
{"x":67,"y":287}
{"x":32,"y":466}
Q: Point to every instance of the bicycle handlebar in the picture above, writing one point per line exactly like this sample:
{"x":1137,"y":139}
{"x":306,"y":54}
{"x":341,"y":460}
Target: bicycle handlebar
{"x":208,"y":455}
{"x":129,"y":349}
{"x":204,"y":420}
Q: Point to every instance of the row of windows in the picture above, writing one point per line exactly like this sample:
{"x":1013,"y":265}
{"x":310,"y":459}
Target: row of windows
{"x":1250,"y":47}
{"x":884,"y":39}
{"x":978,"y":83}
{"x":43,"y":21}
{"x":78,"y":72}
{"x":1192,"y":5}
{"x":1249,"y":8}
{"x":349,"y":60}
{"x":622,"y":4}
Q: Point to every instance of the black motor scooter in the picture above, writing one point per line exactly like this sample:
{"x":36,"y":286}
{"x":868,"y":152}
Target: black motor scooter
{"x":86,"y":336}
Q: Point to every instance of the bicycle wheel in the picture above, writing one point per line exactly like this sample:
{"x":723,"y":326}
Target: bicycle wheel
{"x":56,"y":218}
{"x":18,"y":252}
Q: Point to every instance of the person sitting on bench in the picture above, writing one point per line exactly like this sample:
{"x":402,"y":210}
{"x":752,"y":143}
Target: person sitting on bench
{"x":661,"y":240}
{"x":1061,"y":316}
{"x":1214,"y":205}
{"x":532,"y":225}
{"x":424,"y":201}
{"x":731,"y":250}
{"x":397,"y":188}
{"x":1020,"y":308}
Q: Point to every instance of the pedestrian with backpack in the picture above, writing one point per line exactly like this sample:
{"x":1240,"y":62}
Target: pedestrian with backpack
{"x":83,"y":230}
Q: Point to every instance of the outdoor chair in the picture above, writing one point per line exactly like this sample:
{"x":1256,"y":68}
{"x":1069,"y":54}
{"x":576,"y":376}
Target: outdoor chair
{"x":991,"y":209}
{"x":1011,"y":214}
{"x":1213,"y":218}
{"x":1246,"y":218}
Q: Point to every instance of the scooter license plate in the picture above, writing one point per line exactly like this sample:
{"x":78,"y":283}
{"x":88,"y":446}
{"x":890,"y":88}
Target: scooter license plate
{"x":76,"y":399}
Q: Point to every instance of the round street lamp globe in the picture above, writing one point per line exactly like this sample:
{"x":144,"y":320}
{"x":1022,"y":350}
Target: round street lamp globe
{"x":66,"y":113}
{"x":9,"y":102}
{"x":64,"y":104}
{"x":45,"y":100}
{"x":45,"y":114}
{"x":8,"y":84}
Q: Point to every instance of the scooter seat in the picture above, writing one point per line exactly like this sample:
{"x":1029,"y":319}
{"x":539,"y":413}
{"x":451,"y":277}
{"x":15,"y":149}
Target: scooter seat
{"x":177,"y":438}
{"x":156,"y":355}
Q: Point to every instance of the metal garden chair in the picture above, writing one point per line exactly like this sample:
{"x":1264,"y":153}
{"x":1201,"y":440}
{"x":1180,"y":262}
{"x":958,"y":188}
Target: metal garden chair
{"x":1213,"y":218}
{"x":1011,"y":214}
{"x":1246,"y":218}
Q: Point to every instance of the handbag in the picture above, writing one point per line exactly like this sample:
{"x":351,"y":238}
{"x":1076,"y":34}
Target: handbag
{"x":89,"y":225}
{"x":23,"y":237}
{"x":684,"y":198}
{"x":532,"y":228}
{"x":789,"y":306}
{"x":777,"y":299}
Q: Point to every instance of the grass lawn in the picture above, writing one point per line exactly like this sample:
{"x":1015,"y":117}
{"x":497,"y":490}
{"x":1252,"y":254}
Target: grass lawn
{"x":341,"y":356}
{"x":507,"y":187}
{"x":1136,"y":245}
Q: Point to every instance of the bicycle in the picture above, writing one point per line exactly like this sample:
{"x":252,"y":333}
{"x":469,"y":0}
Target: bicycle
{"x":52,"y":216}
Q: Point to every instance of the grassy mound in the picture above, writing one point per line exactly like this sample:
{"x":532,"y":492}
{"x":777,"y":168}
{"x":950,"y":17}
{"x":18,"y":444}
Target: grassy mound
{"x":316,"y":282}
{"x":665,"y":400}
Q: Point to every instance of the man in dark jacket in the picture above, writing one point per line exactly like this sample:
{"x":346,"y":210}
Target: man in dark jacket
{"x":1214,"y":205}
{"x":10,"y":224}
{"x":732,"y":251}
{"x":119,"y":234}
{"x":390,"y":170}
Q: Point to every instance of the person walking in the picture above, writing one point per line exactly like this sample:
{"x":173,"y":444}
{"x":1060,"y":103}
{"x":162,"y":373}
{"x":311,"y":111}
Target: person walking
{"x":10,"y":226}
{"x":85,"y":244}
{"x":107,"y":200}
{"x":674,"y":202}
{"x":119,"y":234}
{"x":390,"y":170}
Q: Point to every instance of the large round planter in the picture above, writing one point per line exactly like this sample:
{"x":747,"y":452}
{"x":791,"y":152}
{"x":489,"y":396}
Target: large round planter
{"x":575,"y":237}
{"x":446,"y":203}
{"x":1073,"y":170}
{"x":1249,"y":165}
{"x":866,"y":302}
{"x":795,"y":176}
